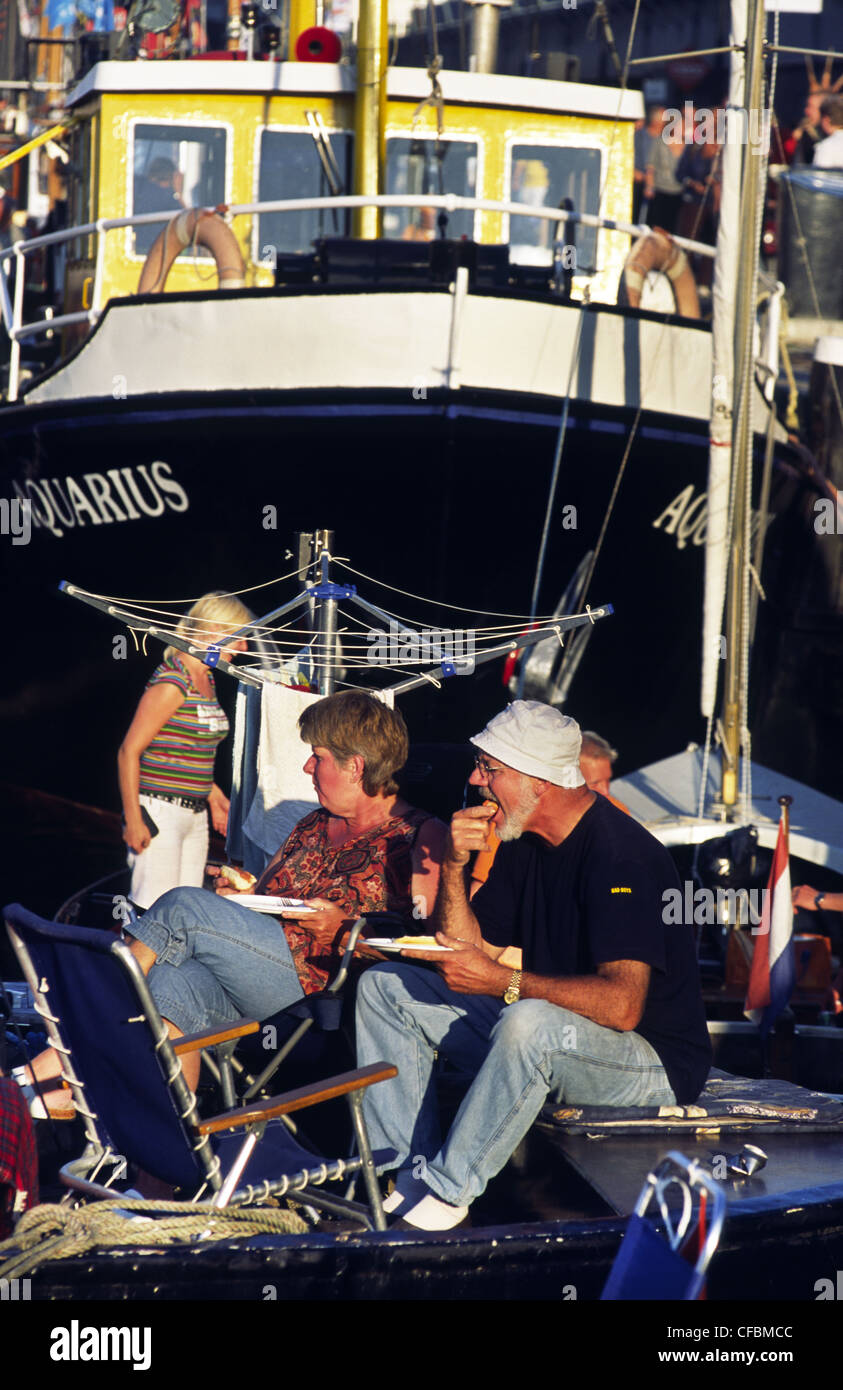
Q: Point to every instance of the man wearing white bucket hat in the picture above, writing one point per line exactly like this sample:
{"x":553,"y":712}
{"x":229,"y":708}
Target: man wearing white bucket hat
{"x":607,"y":1010}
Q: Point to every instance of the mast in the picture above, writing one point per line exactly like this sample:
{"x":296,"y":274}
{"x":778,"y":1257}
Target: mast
{"x":730,"y":462}
{"x":370,"y":115}
{"x":737,"y":609}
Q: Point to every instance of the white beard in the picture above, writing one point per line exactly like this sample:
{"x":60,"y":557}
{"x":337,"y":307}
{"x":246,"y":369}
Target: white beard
{"x":516,"y":820}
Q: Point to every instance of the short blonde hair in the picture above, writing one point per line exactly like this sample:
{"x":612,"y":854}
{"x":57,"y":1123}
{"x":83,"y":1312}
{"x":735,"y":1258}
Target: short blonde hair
{"x":208,"y":614}
{"x":353,"y":722}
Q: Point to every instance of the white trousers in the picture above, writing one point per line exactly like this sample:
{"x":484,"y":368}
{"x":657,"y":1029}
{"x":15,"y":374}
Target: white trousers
{"x":175,"y":857}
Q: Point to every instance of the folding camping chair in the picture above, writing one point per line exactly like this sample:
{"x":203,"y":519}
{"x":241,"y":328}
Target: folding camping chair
{"x":673,"y":1266}
{"x":324,"y":1010}
{"x":127,"y":1083}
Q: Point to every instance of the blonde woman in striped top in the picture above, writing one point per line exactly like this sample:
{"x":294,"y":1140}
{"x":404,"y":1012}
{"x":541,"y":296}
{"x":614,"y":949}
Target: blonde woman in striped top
{"x":166,"y":760}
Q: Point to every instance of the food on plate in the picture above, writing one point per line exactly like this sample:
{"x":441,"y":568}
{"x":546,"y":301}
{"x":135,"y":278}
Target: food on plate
{"x":422,"y":941}
{"x":240,"y":879}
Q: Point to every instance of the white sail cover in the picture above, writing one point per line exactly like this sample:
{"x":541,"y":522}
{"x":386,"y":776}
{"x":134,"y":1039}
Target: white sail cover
{"x":723,"y":366}
{"x":665,"y":796}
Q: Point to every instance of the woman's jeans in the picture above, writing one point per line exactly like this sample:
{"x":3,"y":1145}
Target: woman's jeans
{"x":217,"y":961}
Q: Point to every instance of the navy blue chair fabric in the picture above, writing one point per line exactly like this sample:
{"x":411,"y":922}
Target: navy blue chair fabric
{"x":91,"y":990}
{"x":650,"y":1265}
{"x":132,"y":1091}
{"x":646,"y":1268}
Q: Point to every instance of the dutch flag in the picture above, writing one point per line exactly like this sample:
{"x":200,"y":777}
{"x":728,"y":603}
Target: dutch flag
{"x":773,"y":973}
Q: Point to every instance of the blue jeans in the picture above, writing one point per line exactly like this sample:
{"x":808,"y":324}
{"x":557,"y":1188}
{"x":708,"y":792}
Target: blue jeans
{"x":521,"y":1054}
{"x":217,"y":961}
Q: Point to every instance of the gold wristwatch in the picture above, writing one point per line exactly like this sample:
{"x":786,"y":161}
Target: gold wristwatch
{"x":512,"y":992}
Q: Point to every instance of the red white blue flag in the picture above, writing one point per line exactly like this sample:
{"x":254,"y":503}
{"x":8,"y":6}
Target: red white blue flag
{"x":773,"y":972}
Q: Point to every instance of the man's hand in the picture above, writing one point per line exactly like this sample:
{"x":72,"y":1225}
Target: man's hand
{"x":469,"y":831}
{"x":466,"y":969}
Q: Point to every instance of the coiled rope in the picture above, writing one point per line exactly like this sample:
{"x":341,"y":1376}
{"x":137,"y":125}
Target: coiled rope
{"x":54,"y":1232}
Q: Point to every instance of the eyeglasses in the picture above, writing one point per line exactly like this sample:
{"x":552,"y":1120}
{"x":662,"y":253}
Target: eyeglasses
{"x":486,"y":769}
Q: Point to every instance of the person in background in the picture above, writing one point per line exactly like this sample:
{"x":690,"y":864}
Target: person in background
{"x":422,"y":225}
{"x":801,"y":144}
{"x":809,"y":899}
{"x":662,"y":188}
{"x":7,"y":207}
{"x":159,"y":189}
{"x":597,"y":758}
{"x":18,"y":1156}
{"x":696,"y":171}
{"x":639,"y":177}
{"x":828,"y":153}
{"x":166,"y":760}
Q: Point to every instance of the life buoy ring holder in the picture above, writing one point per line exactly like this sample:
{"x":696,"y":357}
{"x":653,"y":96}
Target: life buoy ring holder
{"x":657,"y":251}
{"x":199,"y":227}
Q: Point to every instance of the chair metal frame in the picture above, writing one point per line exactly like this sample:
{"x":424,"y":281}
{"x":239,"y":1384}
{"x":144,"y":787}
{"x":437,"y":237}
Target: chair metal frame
{"x":80,"y":1174}
{"x":690,"y":1177}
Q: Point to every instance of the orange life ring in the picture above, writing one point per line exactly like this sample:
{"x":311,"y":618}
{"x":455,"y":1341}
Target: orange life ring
{"x":204,"y":228}
{"x":657,"y":250}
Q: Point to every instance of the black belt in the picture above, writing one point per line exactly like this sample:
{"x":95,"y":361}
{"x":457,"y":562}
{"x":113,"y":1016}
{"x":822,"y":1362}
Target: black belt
{"x":190,"y":803}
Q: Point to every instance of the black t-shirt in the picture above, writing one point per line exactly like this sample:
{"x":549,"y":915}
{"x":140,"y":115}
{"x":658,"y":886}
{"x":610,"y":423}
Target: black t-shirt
{"x":599,"y":897}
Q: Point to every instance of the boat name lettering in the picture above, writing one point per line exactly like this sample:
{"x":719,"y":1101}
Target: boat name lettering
{"x":95,"y":499}
{"x":686,"y":518}
{"x":81,"y":1343}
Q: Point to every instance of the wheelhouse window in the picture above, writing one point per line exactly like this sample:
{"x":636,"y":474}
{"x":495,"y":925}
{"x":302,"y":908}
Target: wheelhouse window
{"x":175,"y":167}
{"x":542,"y":175}
{"x":429,"y":166}
{"x":297,"y":164}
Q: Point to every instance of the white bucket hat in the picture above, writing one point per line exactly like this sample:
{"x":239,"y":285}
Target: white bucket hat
{"x":537,"y":740}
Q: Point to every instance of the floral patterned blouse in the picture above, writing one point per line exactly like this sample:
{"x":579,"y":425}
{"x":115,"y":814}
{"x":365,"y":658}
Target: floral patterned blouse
{"x":371,"y":873}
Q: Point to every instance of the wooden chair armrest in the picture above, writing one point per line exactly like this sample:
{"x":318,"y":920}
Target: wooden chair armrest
{"x":191,"y":1042}
{"x":300,"y":1099}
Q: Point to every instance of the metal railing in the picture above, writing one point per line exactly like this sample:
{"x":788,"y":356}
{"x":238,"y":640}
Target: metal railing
{"x":12,"y":309}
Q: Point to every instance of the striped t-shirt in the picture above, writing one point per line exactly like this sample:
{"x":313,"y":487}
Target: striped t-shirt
{"x":180,"y":759}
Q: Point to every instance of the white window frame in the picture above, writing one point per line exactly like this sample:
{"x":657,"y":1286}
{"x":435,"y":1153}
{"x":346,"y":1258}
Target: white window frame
{"x":140,"y":257}
{"x":564,"y":142}
{"x":281,"y":128}
{"x":456,"y":136}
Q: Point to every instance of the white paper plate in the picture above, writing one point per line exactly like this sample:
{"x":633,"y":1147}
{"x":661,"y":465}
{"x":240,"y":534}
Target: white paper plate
{"x":386,"y":943}
{"x":261,"y":902}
